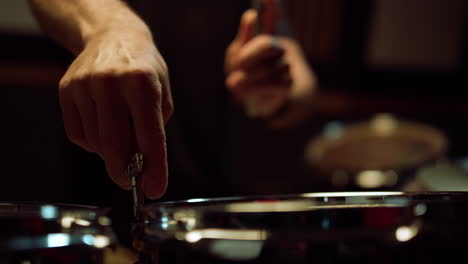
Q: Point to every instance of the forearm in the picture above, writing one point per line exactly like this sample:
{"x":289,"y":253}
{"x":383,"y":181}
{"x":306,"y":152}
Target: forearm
{"x":75,"y":22}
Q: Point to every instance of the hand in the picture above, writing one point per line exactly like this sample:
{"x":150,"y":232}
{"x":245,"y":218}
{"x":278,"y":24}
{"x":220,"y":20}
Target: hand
{"x":115,"y":99}
{"x":273,"y":72}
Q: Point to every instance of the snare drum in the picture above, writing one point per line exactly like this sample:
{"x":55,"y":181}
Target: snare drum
{"x":369,"y":227}
{"x":47,"y":233}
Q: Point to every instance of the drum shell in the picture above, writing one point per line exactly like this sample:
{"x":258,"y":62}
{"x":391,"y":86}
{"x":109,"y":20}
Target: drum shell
{"x":70,"y":255}
{"x":51,"y":233}
{"x":351,"y":237}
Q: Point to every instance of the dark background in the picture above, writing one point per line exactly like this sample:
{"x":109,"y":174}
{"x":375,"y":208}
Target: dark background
{"x":39,"y":164}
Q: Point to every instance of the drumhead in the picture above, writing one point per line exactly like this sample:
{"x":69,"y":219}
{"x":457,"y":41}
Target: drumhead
{"x":311,"y":216}
{"x":34,"y":226}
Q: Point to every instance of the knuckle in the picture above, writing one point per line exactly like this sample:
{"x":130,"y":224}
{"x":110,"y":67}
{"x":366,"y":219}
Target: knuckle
{"x":63,"y":91}
{"x":146,"y":78}
{"x":264,"y":41}
{"x":145,"y":75}
{"x":152,"y":87}
{"x":107,"y":73}
{"x":161,"y":62}
{"x":168,"y":109}
{"x":164,"y":67}
{"x":267,"y":42}
{"x":66,"y":89}
{"x":229,"y":82}
{"x":64,"y":83}
{"x":68,"y":82}
{"x":141,"y":72}
{"x":157,"y":92}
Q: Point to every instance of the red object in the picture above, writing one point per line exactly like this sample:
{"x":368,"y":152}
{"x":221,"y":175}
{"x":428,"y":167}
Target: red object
{"x":383,"y":217}
{"x":270,"y":16}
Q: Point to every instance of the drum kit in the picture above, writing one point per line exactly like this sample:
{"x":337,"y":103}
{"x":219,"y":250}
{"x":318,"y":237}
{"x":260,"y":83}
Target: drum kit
{"x":335,"y":227}
{"x":365,"y":220}
{"x":377,"y":224}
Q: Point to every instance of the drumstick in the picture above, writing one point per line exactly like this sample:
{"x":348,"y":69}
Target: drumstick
{"x":250,"y":104}
{"x":267,"y":18}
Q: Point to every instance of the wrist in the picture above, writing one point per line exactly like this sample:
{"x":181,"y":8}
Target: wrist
{"x":135,"y":30}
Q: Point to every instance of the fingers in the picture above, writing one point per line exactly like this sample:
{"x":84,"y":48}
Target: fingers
{"x":272,"y":102}
{"x":114,"y":128}
{"x":273,"y":85}
{"x":260,"y":75}
{"x":144,"y":98}
{"x":266,"y":92}
{"x":87,"y":110}
{"x":244,"y":34}
{"x":268,"y":99}
{"x":258,"y":50}
{"x":246,"y":27}
{"x":72,"y":118}
{"x":167,"y":104}
{"x":239,"y":79}
{"x":266,"y":87}
{"x":100,"y":119}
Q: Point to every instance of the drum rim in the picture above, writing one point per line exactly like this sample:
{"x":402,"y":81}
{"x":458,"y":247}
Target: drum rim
{"x":181,"y":219}
{"x":199,"y":202}
{"x":63,"y":225}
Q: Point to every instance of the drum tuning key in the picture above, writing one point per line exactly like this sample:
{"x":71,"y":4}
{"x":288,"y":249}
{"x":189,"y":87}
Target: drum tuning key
{"x":133,"y":172}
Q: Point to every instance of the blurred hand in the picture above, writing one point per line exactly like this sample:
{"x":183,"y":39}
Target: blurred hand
{"x":270,"y":72}
{"x":115,"y":99}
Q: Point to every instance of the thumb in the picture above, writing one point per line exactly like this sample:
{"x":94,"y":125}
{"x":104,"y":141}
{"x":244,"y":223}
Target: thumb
{"x":246,"y":27}
{"x":244,"y":34}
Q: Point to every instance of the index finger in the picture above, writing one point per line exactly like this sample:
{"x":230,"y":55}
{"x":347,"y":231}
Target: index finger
{"x":144,"y":97}
{"x":260,"y":49}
